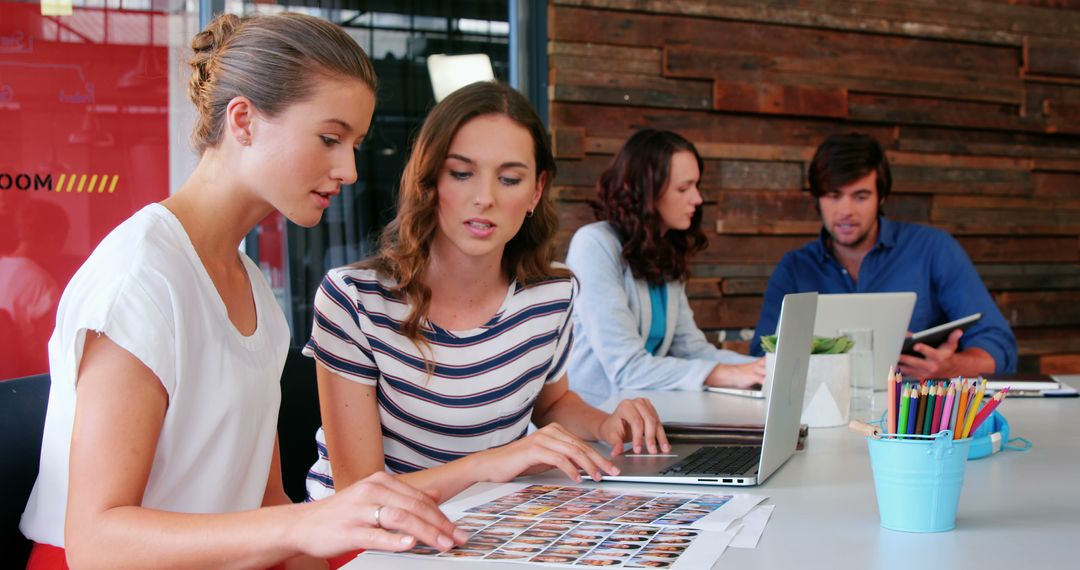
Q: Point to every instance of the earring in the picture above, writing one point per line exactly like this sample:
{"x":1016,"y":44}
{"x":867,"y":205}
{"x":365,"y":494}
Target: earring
{"x":244,"y":141}
{"x":529,"y":214}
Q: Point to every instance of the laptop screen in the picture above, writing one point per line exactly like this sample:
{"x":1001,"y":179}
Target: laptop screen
{"x":785,"y":388}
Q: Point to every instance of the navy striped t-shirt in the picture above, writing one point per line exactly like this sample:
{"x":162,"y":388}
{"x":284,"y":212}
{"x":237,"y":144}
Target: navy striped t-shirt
{"x":484,"y":381}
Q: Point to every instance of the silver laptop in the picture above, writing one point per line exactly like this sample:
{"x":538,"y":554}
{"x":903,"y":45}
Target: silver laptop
{"x":746,"y":465}
{"x":887,"y":315}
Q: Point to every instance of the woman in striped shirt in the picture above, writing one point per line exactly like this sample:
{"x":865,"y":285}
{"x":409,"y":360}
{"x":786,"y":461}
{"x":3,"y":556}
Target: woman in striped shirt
{"x":434,"y":356}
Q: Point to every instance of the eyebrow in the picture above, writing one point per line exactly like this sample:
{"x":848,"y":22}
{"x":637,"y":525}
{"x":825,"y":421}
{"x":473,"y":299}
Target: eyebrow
{"x":343,"y":124}
{"x":466,"y":160}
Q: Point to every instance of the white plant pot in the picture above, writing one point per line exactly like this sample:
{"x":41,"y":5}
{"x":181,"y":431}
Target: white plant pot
{"x":828,"y":389}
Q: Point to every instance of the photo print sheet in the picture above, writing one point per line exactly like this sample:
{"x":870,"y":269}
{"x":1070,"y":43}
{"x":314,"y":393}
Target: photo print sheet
{"x":578,"y":544}
{"x":703,"y":511}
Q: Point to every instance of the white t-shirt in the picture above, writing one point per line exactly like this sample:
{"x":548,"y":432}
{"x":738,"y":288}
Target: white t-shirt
{"x":484,"y":384}
{"x":146,"y":289}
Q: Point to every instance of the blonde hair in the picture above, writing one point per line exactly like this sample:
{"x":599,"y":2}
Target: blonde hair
{"x":405,"y":244}
{"x":270,"y":59}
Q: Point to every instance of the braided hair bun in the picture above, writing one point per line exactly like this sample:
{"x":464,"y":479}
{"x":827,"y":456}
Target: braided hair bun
{"x":272,"y":60}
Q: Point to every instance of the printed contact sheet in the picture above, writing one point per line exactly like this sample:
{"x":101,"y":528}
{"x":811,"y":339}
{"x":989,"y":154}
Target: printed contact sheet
{"x":579,"y":503}
{"x":579,"y":544}
{"x":704,"y":511}
{"x":585,"y":526}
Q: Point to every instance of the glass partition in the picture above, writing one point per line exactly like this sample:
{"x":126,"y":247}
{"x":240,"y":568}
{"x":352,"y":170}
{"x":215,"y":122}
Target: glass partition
{"x":95,"y":125}
{"x":86,"y":89}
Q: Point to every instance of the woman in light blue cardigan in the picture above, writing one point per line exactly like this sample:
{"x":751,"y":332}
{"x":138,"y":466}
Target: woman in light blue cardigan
{"x":632,"y":321}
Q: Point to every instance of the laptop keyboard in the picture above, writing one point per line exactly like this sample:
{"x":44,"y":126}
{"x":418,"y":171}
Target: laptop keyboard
{"x":726,"y":460}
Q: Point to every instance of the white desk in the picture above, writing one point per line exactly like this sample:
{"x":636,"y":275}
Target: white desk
{"x":1017,"y":510}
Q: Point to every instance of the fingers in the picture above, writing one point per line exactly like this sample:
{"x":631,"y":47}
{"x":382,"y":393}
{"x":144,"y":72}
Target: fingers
{"x":644,"y":423}
{"x":933,"y":355}
{"x":953,"y":342}
{"x":753,"y":374}
{"x":418,"y":524}
{"x":916,"y":366}
{"x":415,"y":501}
{"x":558,"y":440}
{"x":403,"y":504}
{"x":654,"y":418}
{"x":380,"y":539}
{"x":628,"y":414}
{"x":650,"y":422}
{"x":909,"y":363}
{"x":561,"y":462}
{"x":614,"y":434}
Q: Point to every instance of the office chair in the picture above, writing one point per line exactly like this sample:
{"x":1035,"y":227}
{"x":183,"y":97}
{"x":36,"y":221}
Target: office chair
{"x":23,"y":402}
{"x":298,"y":420}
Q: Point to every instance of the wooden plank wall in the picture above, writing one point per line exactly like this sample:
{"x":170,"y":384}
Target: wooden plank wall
{"x":978,"y":103}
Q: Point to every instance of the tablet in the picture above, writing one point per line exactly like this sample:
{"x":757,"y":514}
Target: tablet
{"x":936,"y":335}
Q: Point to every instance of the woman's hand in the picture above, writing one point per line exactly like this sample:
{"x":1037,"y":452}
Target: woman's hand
{"x":743,"y":376}
{"x":548,"y":447}
{"x":634,"y":420}
{"x":378,"y":513}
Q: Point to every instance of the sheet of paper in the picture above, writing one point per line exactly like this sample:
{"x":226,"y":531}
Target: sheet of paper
{"x":579,"y":544}
{"x":751,"y":527}
{"x":705,"y":511}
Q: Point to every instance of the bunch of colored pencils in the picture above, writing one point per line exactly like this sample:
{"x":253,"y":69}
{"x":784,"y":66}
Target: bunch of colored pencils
{"x":930,"y":406}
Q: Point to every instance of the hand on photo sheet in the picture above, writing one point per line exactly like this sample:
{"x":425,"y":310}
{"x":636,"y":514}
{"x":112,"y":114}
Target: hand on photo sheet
{"x":568,"y":526}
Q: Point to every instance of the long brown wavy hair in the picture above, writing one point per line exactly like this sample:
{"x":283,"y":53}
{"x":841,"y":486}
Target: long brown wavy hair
{"x":405,"y":243}
{"x":627,"y":193}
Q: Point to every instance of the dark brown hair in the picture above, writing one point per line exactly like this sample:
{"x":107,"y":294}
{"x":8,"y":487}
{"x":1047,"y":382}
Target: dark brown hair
{"x":405,"y":244}
{"x":627,"y":193}
{"x":271,"y":60}
{"x":844,"y":158}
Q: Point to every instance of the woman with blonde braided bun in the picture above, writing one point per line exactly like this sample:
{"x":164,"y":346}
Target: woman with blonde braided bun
{"x":160,"y":448}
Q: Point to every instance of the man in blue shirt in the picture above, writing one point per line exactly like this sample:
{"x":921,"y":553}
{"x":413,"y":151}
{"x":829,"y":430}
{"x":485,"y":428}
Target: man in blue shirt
{"x":859,"y":250}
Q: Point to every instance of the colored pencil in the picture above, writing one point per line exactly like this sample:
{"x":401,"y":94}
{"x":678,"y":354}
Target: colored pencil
{"x":988,"y":409}
{"x":899,"y":387}
{"x":959,"y":383}
{"x":913,"y":410}
{"x":939,"y":403}
{"x":899,"y":400}
{"x":891,"y":418}
{"x":905,"y":405}
{"x":974,"y":408}
{"x":922,"y":410}
{"x":931,"y":400}
{"x":947,"y":412}
{"x":958,"y":424}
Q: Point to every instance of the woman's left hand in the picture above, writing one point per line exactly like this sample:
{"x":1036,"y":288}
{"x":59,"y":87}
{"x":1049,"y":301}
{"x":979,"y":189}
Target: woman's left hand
{"x":634,"y":420}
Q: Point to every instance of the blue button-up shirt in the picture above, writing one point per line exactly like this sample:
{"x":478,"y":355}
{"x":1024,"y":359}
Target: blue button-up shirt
{"x":906,"y":257}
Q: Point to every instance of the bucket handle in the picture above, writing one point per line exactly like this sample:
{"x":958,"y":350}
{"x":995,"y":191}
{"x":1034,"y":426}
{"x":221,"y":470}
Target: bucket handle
{"x":942,"y":440}
{"x":1024,"y":444}
{"x":943,"y":443}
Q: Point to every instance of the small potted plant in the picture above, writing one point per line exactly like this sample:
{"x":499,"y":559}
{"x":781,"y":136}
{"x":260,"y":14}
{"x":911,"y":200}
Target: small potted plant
{"x":828,"y":379}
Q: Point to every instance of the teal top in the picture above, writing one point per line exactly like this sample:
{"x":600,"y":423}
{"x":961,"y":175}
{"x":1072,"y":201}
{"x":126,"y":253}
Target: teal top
{"x":658,"y":300}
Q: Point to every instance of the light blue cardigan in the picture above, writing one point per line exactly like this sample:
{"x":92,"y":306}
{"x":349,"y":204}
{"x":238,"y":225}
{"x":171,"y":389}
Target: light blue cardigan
{"x":612,"y":315}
